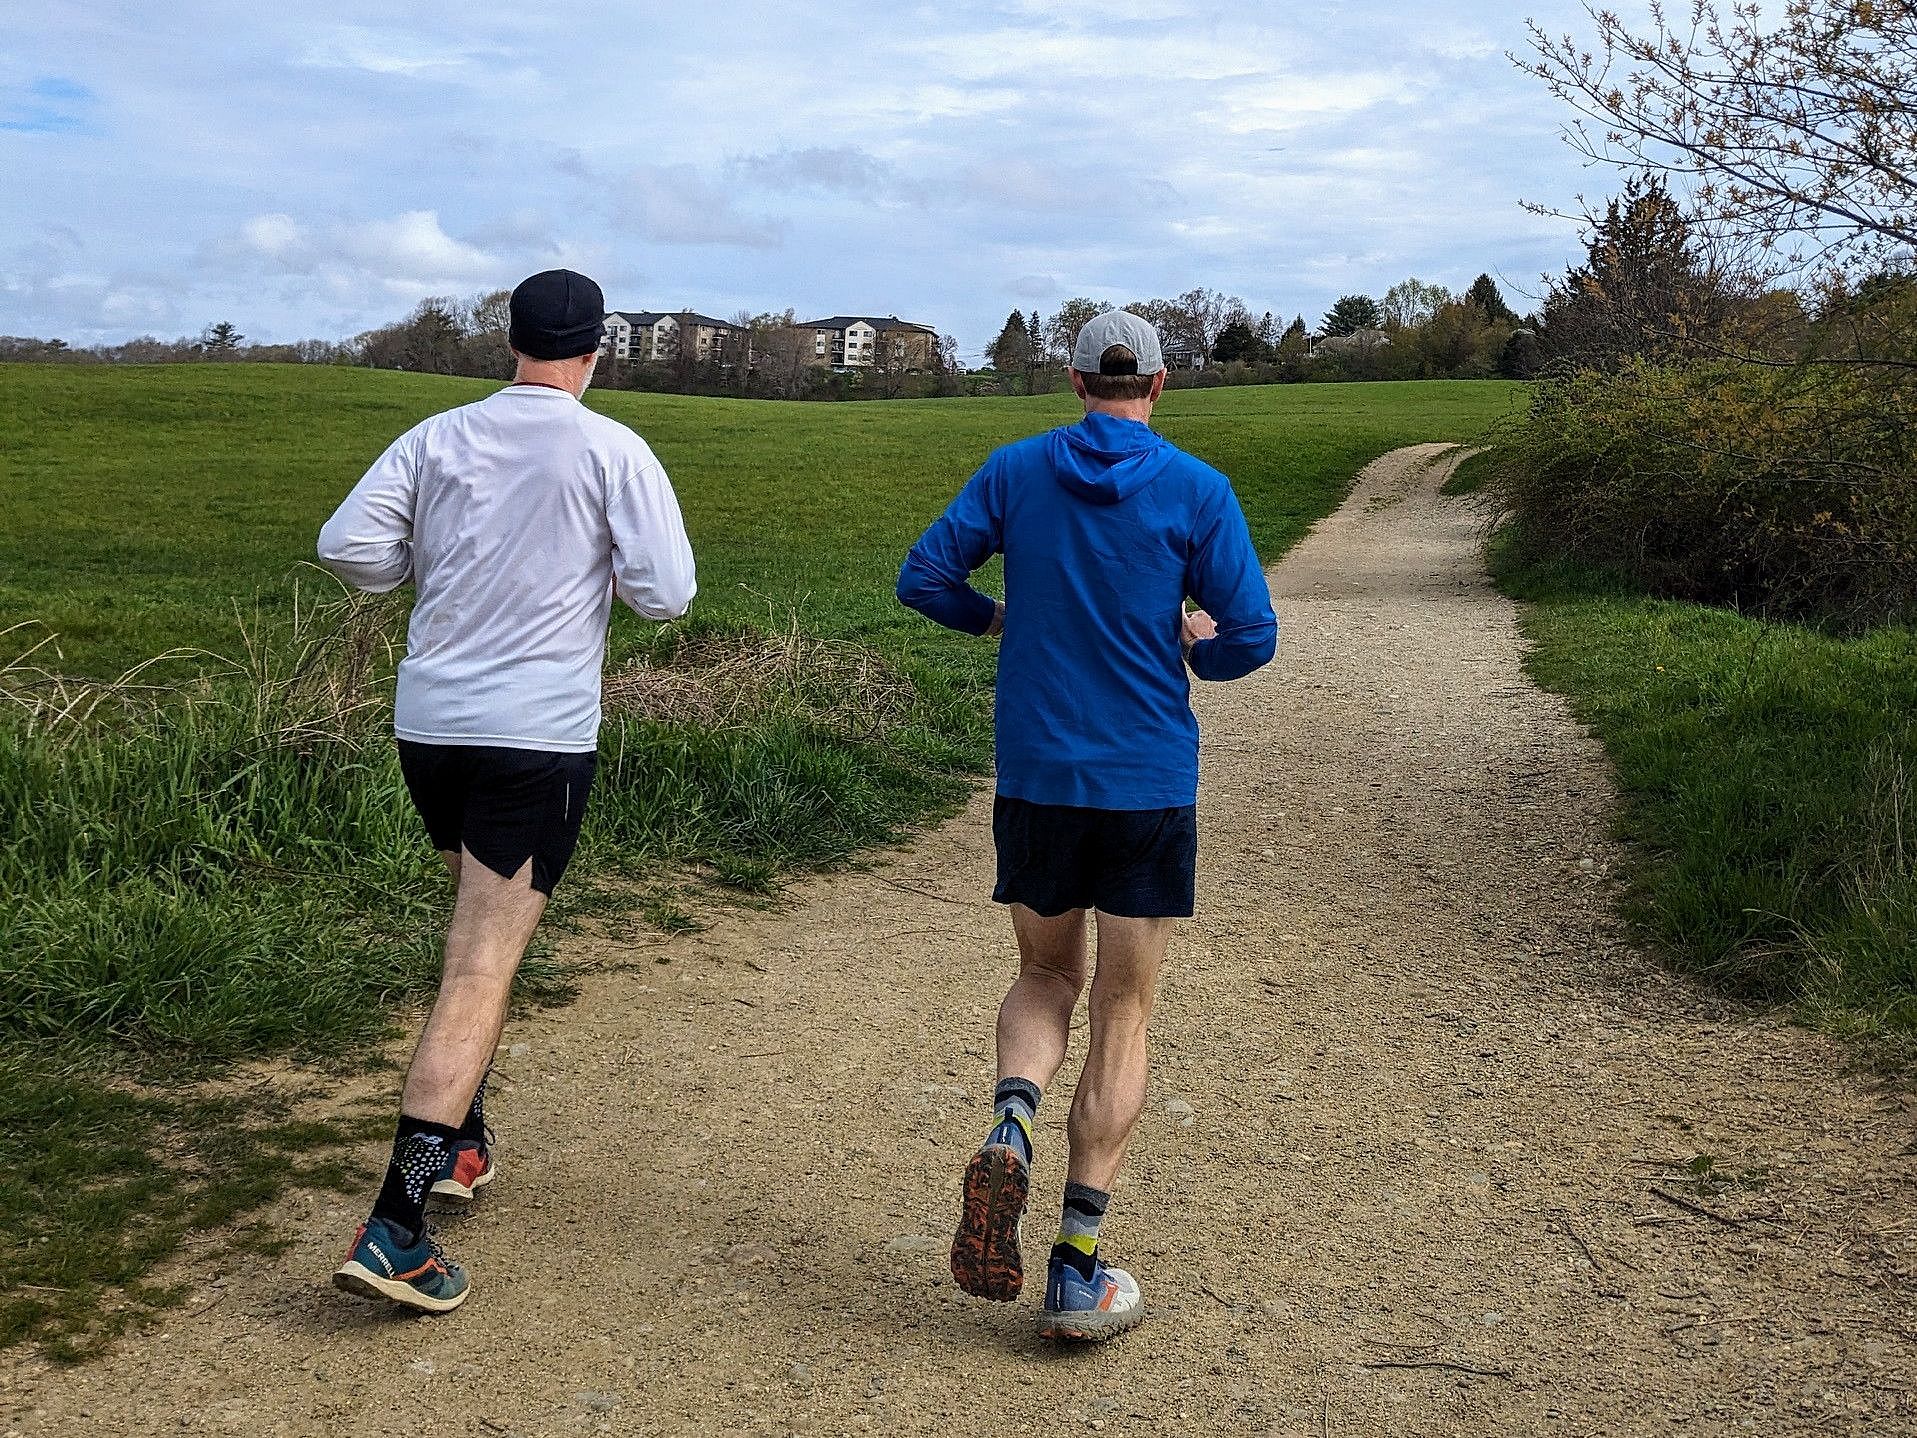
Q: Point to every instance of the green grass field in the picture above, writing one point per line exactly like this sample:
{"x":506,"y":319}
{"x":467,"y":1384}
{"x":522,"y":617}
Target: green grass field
{"x":211,"y":881}
{"x":155,"y":499}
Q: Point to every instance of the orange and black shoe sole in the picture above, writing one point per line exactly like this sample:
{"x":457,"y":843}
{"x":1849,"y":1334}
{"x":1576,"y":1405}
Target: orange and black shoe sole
{"x":985,"y":1257}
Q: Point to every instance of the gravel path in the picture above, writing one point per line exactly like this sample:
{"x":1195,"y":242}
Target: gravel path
{"x":1414,"y":1161}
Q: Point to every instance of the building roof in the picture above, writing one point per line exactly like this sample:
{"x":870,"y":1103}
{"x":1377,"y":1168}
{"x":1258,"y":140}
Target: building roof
{"x":644,"y":318}
{"x":881,"y":323}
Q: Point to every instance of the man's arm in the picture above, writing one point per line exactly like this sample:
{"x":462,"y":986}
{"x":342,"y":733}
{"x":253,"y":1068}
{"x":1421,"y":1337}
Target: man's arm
{"x":652,"y":566}
{"x":369,"y":540}
{"x":935,"y":579}
{"x":1228,"y":582}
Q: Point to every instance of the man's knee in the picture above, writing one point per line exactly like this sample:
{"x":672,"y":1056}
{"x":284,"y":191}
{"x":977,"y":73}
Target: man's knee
{"x":1052,"y":948}
{"x":1121,"y":998}
{"x":1062,"y":973}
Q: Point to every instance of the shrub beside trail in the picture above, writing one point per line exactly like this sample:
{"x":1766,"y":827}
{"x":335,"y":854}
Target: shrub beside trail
{"x":1790,"y":492}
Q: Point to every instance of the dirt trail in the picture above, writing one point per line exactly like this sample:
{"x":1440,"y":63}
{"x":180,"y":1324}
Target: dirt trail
{"x":1413,"y":1095}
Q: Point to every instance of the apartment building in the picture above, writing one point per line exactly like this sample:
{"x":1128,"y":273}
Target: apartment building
{"x":860,"y":341}
{"x":645,"y":336}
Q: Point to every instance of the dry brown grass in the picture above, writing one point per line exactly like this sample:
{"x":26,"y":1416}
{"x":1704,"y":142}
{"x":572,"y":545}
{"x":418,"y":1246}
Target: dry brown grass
{"x":729,"y":681}
{"x":319,"y":675}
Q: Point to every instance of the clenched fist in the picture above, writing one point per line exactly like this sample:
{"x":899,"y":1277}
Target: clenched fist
{"x":1197,"y":625}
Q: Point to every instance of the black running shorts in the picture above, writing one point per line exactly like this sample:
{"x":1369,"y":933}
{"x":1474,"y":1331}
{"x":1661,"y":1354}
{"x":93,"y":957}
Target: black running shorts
{"x":502,"y":806}
{"x":1130,"y":863}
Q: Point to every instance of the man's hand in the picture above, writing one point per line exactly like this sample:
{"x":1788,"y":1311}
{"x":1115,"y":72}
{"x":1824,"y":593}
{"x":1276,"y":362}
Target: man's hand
{"x":997,"y":626}
{"x":1195,"y":626}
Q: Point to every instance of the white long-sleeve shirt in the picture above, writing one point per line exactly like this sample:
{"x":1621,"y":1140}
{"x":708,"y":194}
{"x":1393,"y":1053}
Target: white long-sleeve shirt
{"x":515,"y":518}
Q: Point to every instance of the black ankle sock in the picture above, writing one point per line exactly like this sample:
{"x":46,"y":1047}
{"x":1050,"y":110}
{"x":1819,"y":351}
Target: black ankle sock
{"x":474,"y":1129}
{"x":420,"y":1150}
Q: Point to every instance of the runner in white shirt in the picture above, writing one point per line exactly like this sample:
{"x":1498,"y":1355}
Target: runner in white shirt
{"x":517,"y":519}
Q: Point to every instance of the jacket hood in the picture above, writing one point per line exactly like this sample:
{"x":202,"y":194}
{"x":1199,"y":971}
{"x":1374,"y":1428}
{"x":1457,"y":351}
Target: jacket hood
{"x":1103,"y":460}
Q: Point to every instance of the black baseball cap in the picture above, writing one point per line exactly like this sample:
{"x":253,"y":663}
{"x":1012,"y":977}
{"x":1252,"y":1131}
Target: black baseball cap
{"x":557,"y":314}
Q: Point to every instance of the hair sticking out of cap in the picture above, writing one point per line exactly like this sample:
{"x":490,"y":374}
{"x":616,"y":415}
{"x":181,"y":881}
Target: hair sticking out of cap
{"x":1117,"y":360}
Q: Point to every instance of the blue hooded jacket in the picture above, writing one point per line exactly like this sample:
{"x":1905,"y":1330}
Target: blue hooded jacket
{"x":1106,"y":527}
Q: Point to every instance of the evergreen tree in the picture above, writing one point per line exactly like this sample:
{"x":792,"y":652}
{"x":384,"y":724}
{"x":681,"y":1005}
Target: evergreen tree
{"x":221,"y":339}
{"x":1351,"y":314}
{"x":1238,"y":341}
{"x":1484,"y":293}
{"x":1643,"y":290}
{"x":1012,"y":350}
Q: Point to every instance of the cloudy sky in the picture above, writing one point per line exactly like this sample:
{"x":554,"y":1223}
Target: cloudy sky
{"x":170,"y":165}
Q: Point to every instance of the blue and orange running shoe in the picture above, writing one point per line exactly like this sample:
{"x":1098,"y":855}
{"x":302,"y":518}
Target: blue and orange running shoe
{"x":418,"y":1275}
{"x":985,"y":1254}
{"x":469,"y":1168}
{"x":1087,"y":1309}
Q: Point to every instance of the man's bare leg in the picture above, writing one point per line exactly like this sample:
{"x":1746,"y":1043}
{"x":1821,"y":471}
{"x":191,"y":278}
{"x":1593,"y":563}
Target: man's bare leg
{"x":393,"y":1256}
{"x":1034,"y":1030}
{"x":1035,"y":1021}
{"x":1084,"y":1297}
{"x":1111,"y":1090}
{"x":493,"y":921}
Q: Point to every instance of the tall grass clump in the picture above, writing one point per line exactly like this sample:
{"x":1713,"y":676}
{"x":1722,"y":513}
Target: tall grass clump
{"x":219,"y":865}
{"x":231,"y":863}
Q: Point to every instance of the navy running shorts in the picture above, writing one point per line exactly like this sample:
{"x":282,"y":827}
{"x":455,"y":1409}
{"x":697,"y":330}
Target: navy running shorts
{"x":1130,"y":863}
{"x":502,"y":806}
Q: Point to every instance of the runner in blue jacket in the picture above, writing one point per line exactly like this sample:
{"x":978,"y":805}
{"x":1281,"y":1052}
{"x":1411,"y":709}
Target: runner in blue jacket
{"x":1106,"y":529}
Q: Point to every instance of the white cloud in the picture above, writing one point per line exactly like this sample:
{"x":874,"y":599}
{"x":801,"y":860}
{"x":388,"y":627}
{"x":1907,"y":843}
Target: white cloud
{"x":1287,"y":103}
{"x":1146,"y":59}
{"x":275,"y":236}
{"x":1462,"y":45}
{"x":413,"y":249}
{"x":407,"y":255}
{"x":387,"y":52}
{"x":842,"y":168}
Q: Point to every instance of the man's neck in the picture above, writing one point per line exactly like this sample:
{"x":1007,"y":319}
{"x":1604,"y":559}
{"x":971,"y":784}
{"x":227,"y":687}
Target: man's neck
{"x":552,"y":375}
{"x":1132,"y":409}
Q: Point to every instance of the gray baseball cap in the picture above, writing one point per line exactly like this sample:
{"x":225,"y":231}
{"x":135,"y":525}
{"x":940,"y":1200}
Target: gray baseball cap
{"x":1117,"y":327}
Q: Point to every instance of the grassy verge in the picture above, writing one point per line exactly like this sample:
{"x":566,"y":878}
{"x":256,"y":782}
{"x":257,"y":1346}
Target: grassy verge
{"x":1769,"y":781}
{"x":229,"y":869}
{"x":88,"y":1212}
{"x":1471,"y":475}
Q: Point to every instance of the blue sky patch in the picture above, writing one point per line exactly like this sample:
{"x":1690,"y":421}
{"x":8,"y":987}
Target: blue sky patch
{"x":49,"y":105}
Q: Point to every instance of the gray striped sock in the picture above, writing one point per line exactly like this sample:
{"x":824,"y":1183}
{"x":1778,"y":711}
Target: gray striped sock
{"x":1078,"y":1228}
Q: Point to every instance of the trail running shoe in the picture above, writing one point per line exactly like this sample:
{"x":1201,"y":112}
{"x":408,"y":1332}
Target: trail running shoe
{"x":469,"y":1168}
{"x":419,"y":1275}
{"x":985,"y":1254}
{"x":1086,"y":1310}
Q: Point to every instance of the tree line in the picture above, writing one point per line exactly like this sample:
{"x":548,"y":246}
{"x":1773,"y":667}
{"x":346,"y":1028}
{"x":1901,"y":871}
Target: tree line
{"x":1416,"y":330}
{"x":767,"y":356}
